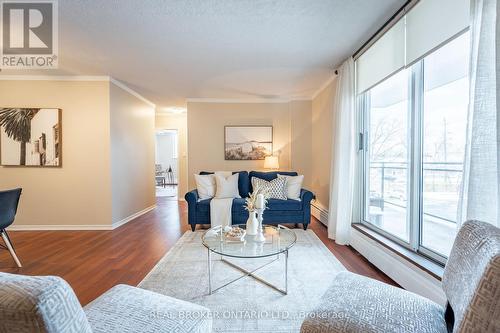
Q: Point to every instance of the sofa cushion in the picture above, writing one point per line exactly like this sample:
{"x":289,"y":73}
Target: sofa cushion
{"x":39,"y":304}
{"x":272,"y":204}
{"x":276,"y":204}
{"x":238,"y":205}
{"x":128,"y":309}
{"x":203,"y":205}
{"x":268,"y":175}
{"x":243,"y":182}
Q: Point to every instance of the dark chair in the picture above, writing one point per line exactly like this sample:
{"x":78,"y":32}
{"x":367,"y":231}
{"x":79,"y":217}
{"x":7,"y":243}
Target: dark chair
{"x":8,"y":208}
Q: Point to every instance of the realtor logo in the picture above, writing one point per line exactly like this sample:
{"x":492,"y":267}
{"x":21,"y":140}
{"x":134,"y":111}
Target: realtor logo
{"x":28,"y":34}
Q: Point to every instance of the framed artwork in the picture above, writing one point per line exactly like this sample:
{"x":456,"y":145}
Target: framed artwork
{"x":30,"y":137}
{"x":248,"y":142}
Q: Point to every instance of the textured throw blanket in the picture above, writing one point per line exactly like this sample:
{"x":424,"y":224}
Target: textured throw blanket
{"x":220,"y":212}
{"x":220,"y":209}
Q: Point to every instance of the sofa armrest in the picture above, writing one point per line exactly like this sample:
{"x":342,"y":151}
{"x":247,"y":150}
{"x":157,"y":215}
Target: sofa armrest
{"x":192,"y":196}
{"x":306,"y":196}
{"x":192,"y":200}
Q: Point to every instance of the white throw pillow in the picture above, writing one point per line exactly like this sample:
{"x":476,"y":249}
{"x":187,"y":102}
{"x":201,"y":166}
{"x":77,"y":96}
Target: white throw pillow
{"x":205,"y":184}
{"x":227,"y":187}
{"x":276,"y":188}
{"x":293,"y":186}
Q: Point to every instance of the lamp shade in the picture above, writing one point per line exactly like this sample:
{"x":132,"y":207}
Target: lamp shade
{"x":271,"y":162}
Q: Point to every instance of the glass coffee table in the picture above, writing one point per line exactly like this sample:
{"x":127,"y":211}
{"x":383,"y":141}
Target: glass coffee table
{"x":279,"y":240}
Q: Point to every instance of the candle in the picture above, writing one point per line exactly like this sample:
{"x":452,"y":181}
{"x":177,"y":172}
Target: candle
{"x":260,"y":204}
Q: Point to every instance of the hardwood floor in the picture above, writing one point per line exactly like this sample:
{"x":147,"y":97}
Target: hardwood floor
{"x":94,"y":261}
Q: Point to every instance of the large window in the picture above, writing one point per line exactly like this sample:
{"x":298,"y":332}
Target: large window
{"x":387,"y":156}
{"x":414,"y":124}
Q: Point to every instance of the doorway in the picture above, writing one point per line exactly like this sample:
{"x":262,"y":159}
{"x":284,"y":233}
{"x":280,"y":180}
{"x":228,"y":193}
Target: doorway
{"x":166,"y":163}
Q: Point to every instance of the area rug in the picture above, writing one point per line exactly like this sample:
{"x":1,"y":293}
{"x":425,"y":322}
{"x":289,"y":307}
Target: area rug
{"x":247,"y":305}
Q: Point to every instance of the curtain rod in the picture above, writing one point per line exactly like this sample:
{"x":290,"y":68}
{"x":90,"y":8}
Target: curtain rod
{"x":386,"y":26}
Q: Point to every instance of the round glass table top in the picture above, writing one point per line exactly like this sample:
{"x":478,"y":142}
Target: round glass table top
{"x":278,"y":239}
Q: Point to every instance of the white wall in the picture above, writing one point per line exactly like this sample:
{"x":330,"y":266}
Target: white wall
{"x":132,"y":154}
{"x":77,"y":195}
{"x":322,"y":140}
{"x":291,"y":123}
{"x":107,"y":172}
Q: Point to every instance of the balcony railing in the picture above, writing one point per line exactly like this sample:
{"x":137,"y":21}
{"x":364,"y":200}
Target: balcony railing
{"x":439,"y":178}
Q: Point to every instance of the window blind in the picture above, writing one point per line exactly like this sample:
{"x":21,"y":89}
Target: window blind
{"x":428,"y":25}
{"x":383,"y":58}
{"x":431,"y":23}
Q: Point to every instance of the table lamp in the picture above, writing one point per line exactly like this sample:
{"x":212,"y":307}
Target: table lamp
{"x":271,"y":162}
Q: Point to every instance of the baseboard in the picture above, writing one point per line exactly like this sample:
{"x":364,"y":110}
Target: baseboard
{"x":55,"y":227}
{"x":68,"y":227}
{"x":132,"y":217}
{"x":405,"y":273}
{"x":319,"y":212}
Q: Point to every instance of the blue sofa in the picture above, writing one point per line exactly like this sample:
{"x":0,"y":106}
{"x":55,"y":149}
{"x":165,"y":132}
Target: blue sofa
{"x":278,"y":211}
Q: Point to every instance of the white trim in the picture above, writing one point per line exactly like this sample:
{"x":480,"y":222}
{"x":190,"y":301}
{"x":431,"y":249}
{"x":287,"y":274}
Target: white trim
{"x":300,"y":99}
{"x":323,"y":86}
{"x":405,"y":273}
{"x":53,"y":78}
{"x":246,"y":100}
{"x":397,"y":268}
{"x":132,"y":217}
{"x":101,"y":78}
{"x":41,"y":227}
{"x":104,"y":78}
{"x":132,"y":92}
{"x":319,"y":212}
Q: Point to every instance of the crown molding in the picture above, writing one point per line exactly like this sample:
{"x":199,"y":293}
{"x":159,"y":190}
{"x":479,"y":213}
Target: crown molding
{"x":97,"y":78}
{"x":120,"y":84}
{"x":131,"y":91}
{"x":246,"y":100}
{"x":54,"y":78}
{"x":160,"y":112}
{"x":324,"y":85}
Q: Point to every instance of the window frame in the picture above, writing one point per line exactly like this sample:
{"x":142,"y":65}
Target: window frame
{"x":363,"y":111}
{"x":415,"y":184}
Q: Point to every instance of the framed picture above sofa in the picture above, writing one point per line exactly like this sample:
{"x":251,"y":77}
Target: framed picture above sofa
{"x":248,"y":142}
{"x":30,"y":137}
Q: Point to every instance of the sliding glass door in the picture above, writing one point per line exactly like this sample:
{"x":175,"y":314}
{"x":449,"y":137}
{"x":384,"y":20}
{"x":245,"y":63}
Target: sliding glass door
{"x":386,"y":187}
{"x":446,"y":91}
{"x":414,"y":127}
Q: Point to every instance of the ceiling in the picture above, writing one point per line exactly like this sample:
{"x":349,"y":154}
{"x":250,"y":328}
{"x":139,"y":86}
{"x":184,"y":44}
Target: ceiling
{"x":168,"y":51}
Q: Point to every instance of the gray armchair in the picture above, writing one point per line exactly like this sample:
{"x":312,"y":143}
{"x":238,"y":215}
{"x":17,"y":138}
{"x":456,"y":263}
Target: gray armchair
{"x":48,"y":304}
{"x":471,"y":283}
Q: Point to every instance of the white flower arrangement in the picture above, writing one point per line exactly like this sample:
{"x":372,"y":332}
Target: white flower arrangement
{"x":251,"y":201}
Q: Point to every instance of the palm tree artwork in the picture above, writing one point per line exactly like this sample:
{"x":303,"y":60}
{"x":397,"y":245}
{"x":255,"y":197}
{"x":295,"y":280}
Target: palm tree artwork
{"x":17,"y":125}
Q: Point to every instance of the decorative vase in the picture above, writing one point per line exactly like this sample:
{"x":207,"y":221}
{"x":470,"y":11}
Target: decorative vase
{"x":252,"y":223}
